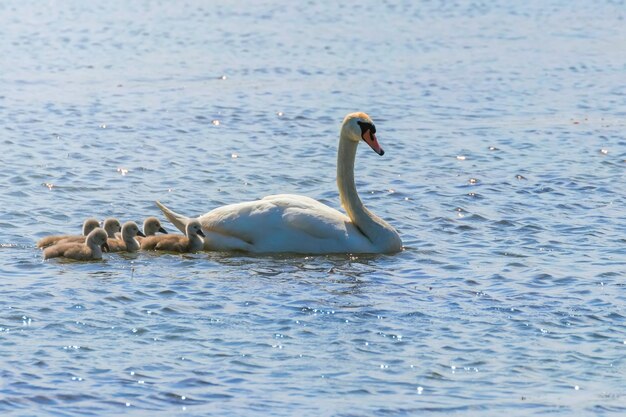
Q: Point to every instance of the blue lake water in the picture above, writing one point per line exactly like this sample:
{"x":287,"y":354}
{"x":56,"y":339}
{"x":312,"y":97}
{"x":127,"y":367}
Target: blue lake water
{"x":504,"y":126}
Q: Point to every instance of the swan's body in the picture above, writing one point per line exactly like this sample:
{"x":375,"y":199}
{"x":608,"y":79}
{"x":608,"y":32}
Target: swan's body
{"x":151,"y":226}
{"x":90,"y":250}
{"x":128,"y":241}
{"x":192,"y":242}
{"x":294,"y":223}
{"x":88,"y":226}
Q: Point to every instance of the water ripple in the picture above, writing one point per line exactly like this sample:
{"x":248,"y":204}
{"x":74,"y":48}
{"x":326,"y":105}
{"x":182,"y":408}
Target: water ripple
{"x":503,"y":173}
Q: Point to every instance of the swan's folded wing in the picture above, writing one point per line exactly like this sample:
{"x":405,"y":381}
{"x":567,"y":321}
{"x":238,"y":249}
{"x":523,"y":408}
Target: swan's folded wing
{"x":277,"y":216}
{"x":151,"y":242}
{"x":55,"y":251}
{"x":293,"y":200}
{"x":44,"y":242}
{"x":242,"y":220}
{"x":311,"y":217}
{"x":315,"y":223}
{"x":173,"y":245}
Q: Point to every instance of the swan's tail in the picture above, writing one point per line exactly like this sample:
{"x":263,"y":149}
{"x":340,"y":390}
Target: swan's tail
{"x":177,"y":220}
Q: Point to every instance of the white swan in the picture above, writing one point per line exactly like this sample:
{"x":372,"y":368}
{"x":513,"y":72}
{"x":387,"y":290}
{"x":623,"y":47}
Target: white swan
{"x":298,"y":224}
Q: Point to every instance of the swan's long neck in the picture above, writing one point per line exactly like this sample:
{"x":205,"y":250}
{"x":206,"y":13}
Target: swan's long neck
{"x":195,"y":242}
{"x":96,"y":249}
{"x":379,"y":232}
{"x":131,"y":243}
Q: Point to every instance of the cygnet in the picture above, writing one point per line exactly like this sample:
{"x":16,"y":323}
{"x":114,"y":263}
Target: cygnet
{"x":112,"y":226}
{"x":177,"y":243}
{"x":151,"y":226}
{"x":88,"y":226}
{"x":90,"y":250}
{"x":128,"y":241}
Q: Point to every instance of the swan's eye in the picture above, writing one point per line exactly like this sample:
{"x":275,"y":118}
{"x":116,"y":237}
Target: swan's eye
{"x":365,"y":127}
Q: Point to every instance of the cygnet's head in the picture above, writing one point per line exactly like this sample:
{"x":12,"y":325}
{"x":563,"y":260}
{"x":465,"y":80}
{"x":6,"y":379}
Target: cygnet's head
{"x":130,"y":230}
{"x":89,"y":225}
{"x":194,"y":228}
{"x":151,"y":226}
{"x":112,"y":226}
{"x":98,"y":237}
{"x":358,"y":126}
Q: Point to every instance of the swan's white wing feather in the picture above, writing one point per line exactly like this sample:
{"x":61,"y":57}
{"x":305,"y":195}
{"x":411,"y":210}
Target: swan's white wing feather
{"x":286,"y":222}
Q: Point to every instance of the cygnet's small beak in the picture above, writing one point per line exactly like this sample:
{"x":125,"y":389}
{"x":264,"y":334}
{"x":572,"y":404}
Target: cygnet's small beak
{"x":140,"y":233}
{"x":162,"y":230}
{"x":370,"y":138}
{"x":105,"y":247}
{"x":201,"y":233}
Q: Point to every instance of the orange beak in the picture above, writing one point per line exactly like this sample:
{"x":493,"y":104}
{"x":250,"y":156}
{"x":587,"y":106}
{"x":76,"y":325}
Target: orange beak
{"x":370,"y":139}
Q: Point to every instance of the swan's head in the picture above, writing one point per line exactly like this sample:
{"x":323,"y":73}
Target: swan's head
{"x":194,"y":228}
{"x":89,"y":225}
{"x":359,"y":126}
{"x":112,"y":226}
{"x":98,"y":237}
{"x":152,"y":225}
{"x":130,"y":230}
